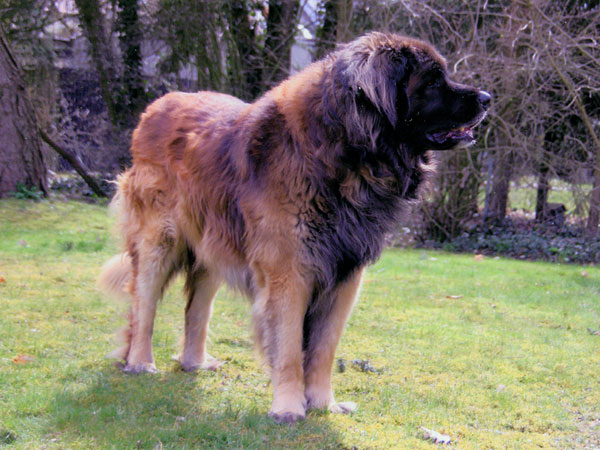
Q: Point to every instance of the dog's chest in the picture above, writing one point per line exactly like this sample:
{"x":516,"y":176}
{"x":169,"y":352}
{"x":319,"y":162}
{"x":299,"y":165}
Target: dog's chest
{"x":340,"y":236}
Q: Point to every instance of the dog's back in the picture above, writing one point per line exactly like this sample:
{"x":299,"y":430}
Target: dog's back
{"x":167,"y":125}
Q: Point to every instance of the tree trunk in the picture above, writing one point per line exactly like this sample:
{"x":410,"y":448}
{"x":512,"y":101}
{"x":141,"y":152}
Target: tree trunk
{"x":326,"y":34}
{"x":337,"y":26}
{"x":592,"y":222}
{"x":500,"y":186}
{"x":344,"y":20}
{"x":543,"y":188}
{"x":281,"y":30}
{"x":92,"y":24}
{"x":130,"y":37}
{"x":503,"y":156}
{"x":245,"y":58}
{"x":21,"y":157}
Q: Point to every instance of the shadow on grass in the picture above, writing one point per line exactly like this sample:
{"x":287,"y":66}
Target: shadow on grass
{"x":106,"y":408}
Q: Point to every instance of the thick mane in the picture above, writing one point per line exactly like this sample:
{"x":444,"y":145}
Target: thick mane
{"x":357,"y":168}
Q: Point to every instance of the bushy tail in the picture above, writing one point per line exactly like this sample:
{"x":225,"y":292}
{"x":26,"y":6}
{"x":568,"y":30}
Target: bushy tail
{"x":115,"y":275}
{"x":114,"y":279}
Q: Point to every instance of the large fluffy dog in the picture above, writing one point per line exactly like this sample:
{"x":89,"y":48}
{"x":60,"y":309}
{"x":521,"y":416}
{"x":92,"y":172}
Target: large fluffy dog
{"x":287,"y":199}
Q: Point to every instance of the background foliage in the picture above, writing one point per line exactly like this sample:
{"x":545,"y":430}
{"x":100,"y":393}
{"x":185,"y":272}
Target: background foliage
{"x":94,"y":64}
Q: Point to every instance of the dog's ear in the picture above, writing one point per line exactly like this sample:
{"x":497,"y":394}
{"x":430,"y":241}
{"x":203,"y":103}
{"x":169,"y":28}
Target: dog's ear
{"x":381,"y":75}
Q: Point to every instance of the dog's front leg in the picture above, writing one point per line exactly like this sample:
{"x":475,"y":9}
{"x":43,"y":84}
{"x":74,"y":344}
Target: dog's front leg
{"x":324,"y":329}
{"x":279,"y":312}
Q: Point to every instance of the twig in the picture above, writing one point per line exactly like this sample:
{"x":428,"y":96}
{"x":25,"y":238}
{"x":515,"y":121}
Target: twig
{"x":75,"y":164}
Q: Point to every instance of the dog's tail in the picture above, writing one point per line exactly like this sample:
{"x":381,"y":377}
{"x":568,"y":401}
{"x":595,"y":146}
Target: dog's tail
{"x":115,"y":275}
{"x":114,"y":279}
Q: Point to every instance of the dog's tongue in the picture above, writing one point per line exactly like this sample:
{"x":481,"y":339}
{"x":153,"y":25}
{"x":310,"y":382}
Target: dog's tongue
{"x":458,"y":133}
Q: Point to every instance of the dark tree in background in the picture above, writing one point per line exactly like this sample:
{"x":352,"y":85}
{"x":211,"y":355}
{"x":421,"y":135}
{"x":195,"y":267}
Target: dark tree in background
{"x":93,"y":25}
{"x":282,"y":19}
{"x":245,"y":56}
{"x":335,"y":27}
{"x":130,"y":38}
{"x":193,"y":33}
{"x":21,"y":157}
{"x":327,"y":32}
{"x":120,"y":75}
{"x":220,"y":39}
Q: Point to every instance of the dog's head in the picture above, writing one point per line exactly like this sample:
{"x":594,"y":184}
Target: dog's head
{"x":405,"y":82}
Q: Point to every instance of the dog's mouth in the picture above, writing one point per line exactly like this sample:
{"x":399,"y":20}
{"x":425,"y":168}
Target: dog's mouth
{"x":464,"y":133}
{"x":459,"y":135}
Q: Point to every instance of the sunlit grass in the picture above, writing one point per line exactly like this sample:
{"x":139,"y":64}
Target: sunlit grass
{"x":523,"y":194}
{"x":495,"y":353}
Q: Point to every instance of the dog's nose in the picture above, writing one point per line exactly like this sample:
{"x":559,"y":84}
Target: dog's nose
{"x":484,"y":98}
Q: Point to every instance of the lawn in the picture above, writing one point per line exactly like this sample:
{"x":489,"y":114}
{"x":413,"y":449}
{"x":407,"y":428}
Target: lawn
{"x":495,"y":353}
{"x":575,"y":197}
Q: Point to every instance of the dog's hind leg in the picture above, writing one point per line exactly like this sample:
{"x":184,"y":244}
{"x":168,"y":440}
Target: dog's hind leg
{"x":324,"y":332}
{"x":201,"y":286}
{"x":153,"y":267}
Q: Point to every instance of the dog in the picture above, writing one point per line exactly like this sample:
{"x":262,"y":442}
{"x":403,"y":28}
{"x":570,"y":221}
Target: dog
{"x":286,"y":199}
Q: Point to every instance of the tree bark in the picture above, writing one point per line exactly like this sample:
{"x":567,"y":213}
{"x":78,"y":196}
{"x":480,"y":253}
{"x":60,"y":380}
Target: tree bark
{"x":21,"y":157}
{"x":593,"y":216}
{"x":543,"y":188}
{"x":500,"y":181}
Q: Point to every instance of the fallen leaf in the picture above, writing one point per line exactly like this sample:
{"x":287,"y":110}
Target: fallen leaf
{"x":594,"y":332}
{"x":23,"y":243}
{"x":478,"y":257}
{"x":435,"y":437}
{"x":22,"y":359}
{"x":454,"y":297}
{"x":2,"y":279}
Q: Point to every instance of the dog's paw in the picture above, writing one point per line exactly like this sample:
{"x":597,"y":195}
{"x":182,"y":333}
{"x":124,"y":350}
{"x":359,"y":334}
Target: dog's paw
{"x":209,"y":363}
{"x":342,"y":407}
{"x":327,"y":403}
{"x":137,"y":368}
{"x":288,"y":409}
{"x":289,"y":418}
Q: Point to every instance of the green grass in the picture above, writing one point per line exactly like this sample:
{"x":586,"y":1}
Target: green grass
{"x":523,"y":194}
{"x":495,"y":353}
